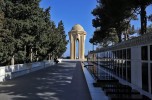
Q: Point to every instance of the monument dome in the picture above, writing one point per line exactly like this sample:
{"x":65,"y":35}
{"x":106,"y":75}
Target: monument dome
{"x":77,"y":27}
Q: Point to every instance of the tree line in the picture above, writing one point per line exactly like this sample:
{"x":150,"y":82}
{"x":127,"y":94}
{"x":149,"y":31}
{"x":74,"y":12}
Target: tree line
{"x":26,"y":28}
{"x":113,"y":17}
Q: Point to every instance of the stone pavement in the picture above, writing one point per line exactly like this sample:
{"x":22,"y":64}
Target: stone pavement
{"x":64,"y":81}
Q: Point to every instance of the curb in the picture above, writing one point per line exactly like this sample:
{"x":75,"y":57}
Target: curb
{"x":95,"y":92}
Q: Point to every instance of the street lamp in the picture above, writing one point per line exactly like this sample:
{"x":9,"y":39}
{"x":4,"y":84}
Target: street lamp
{"x":31,"y":52}
{"x":35,"y":47}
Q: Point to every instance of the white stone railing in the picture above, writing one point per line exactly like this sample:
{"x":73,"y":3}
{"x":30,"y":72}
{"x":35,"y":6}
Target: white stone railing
{"x":12,"y":71}
{"x":2,"y":74}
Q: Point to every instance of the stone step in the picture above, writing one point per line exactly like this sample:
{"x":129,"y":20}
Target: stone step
{"x":112,"y":86}
{"x":107,"y":80}
{"x":120,"y":91}
{"x":128,"y":97}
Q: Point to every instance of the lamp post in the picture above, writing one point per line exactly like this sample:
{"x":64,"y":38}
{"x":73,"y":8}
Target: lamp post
{"x":12,"y":60}
{"x":36,"y":51}
{"x":97,"y":66}
{"x":31,"y":52}
{"x":25,"y":53}
{"x":49,"y":56}
{"x":36,"y":54}
{"x":93,"y":46}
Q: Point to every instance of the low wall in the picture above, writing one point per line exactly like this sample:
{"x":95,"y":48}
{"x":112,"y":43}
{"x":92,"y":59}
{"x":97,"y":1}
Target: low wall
{"x":73,"y":60}
{"x":12,"y":71}
{"x":2,"y":74}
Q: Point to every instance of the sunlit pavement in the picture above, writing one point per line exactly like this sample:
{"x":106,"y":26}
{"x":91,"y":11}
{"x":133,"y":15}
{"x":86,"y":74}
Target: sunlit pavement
{"x":64,"y":81}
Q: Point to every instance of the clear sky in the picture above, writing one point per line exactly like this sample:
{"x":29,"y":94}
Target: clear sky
{"x":137,"y":22}
{"x":73,"y":12}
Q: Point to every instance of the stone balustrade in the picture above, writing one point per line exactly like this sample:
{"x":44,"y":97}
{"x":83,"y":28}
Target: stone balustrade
{"x":12,"y":71}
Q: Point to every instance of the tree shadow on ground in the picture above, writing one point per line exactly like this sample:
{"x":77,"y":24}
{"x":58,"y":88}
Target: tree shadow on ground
{"x":48,"y":84}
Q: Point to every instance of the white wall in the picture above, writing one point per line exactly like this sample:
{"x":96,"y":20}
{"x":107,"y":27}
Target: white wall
{"x":136,"y":75}
{"x":2,"y":74}
{"x":12,"y":71}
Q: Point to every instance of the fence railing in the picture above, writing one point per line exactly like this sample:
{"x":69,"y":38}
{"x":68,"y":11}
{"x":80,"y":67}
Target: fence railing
{"x":12,"y":71}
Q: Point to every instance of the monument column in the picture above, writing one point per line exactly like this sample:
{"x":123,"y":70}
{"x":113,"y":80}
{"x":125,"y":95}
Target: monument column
{"x":74,"y":54}
{"x":82,"y":48}
{"x":71,"y":48}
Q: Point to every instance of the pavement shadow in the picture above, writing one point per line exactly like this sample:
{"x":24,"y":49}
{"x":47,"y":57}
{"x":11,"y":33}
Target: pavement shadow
{"x":48,"y":84}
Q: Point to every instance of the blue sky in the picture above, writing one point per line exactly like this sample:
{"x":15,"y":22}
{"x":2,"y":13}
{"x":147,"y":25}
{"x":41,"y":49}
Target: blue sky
{"x":73,"y":12}
{"x":137,"y":22}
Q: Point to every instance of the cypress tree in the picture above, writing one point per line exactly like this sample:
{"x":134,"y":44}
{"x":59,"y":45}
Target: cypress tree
{"x":6,"y":41}
{"x":25,"y":20}
{"x":62,"y":39}
{"x":31,"y":28}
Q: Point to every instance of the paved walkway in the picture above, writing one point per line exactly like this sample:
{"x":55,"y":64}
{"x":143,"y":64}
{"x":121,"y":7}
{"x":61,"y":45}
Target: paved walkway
{"x":64,"y":81}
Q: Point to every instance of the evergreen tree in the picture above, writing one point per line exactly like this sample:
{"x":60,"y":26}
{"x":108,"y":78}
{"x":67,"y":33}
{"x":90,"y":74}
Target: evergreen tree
{"x":142,"y":4}
{"x":112,"y":14}
{"x":150,"y":18}
{"x":61,"y":48}
{"x":129,"y":31}
{"x":32,"y":30}
{"x":6,"y":41}
{"x":27,"y":26}
{"x":18,"y":20}
{"x":49,"y":38}
{"x":149,"y":29}
{"x":1,"y":14}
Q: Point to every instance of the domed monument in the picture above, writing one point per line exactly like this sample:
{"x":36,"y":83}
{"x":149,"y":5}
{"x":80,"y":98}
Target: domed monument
{"x":77,"y":33}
